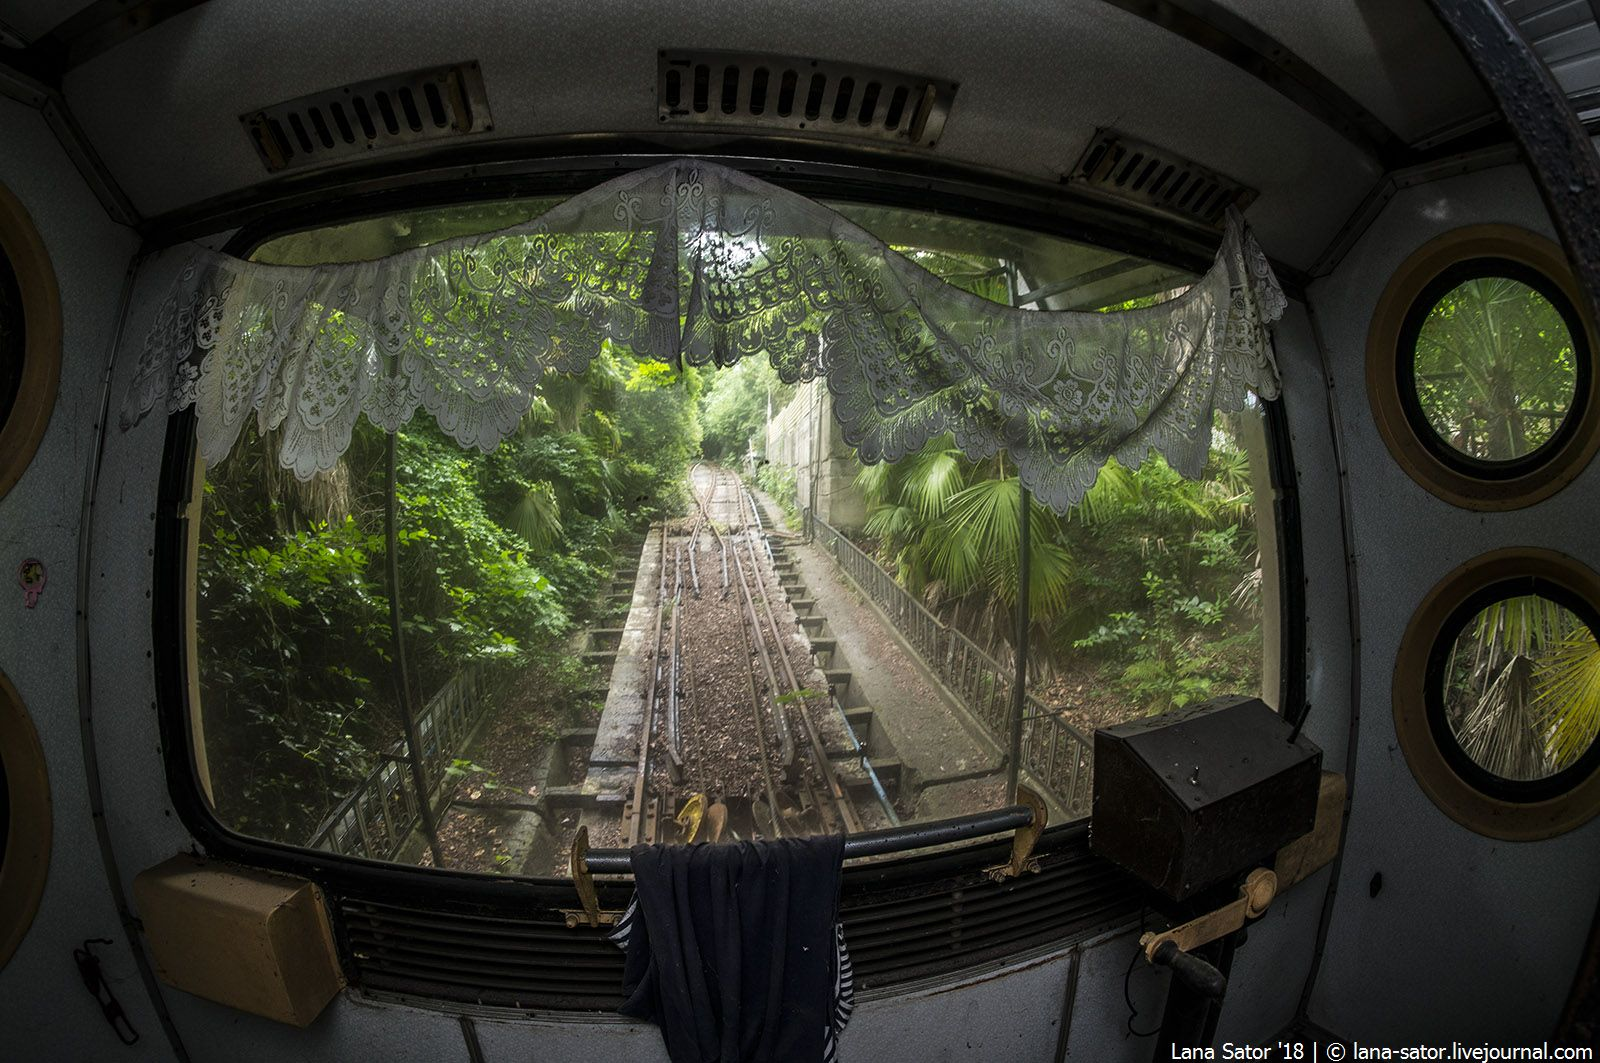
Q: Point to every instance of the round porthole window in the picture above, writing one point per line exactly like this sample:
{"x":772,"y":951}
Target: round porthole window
{"x":1497,"y":694}
{"x":1481,"y":369}
{"x":30,"y":340}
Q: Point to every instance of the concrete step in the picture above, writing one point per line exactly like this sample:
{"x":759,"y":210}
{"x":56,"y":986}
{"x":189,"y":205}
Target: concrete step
{"x":803,"y":606}
{"x":600,"y":657}
{"x":812,"y":624}
{"x":838,"y":679}
{"x":824,"y":645}
{"x":860,"y":721}
{"x":605,"y":638}
{"x":889,"y":770}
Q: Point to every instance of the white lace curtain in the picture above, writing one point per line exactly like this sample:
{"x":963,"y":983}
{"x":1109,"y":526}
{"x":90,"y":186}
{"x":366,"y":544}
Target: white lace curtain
{"x":696,"y":261}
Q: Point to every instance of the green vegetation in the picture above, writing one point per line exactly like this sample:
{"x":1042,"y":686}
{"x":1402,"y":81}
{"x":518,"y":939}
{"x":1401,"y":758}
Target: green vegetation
{"x":501,"y":557}
{"x":1522,"y":688}
{"x":735,"y":408}
{"x":1495,"y":368}
{"x":1147,"y":595}
{"x":1150,"y":583}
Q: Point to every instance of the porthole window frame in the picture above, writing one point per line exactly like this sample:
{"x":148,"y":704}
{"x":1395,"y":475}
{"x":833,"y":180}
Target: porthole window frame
{"x":1458,"y":478}
{"x":1479,"y":801}
{"x":25,"y":861}
{"x":23,"y":428}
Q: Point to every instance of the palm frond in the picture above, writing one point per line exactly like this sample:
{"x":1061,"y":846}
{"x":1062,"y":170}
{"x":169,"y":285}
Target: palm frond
{"x":537,"y":517}
{"x":931,"y":478}
{"x":953,"y":556}
{"x":990,"y":512}
{"x":1499,"y":732}
{"x":875,"y":481}
{"x":1567,"y":702}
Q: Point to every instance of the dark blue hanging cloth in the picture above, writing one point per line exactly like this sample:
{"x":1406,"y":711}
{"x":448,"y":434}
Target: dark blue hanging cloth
{"x":735,"y":950}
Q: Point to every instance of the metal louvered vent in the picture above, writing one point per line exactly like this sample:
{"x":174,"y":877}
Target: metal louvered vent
{"x":775,"y":92}
{"x":1567,"y":37}
{"x":339,"y":123}
{"x":1129,"y":169}
{"x":904,"y":920}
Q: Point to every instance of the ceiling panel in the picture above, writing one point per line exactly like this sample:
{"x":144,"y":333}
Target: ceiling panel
{"x":1392,"y":56}
{"x":35,"y":18}
{"x":1036,"y":82}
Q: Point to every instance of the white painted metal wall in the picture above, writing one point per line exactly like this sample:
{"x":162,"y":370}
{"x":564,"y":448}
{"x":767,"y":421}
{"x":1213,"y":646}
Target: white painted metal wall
{"x":1470,"y":938}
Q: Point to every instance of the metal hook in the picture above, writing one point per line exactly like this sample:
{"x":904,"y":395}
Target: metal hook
{"x":578,"y":865}
{"x":1023,"y":839}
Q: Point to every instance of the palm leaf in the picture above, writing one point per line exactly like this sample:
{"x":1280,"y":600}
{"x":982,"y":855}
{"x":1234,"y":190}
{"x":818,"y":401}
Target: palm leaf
{"x":537,"y":517}
{"x":931,"y":478}
{"x":1567,"y":702}
{"x":990,"y":512}
{"x":1499,"y":732}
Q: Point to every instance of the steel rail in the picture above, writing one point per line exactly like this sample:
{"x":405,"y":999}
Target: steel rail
{"x":641,"y":782}
{"x":861,"y":754}
{"x":761,"y":737}
{"x":902,"y":839}
{"x":819,"y":751}
{"x":674,"y":737}
{"x":780,"y":717}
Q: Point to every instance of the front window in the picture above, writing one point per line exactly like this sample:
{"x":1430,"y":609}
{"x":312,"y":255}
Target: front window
{"x":437,"y":656}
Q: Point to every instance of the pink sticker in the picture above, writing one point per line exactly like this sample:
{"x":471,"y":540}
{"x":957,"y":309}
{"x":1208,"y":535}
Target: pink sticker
{"x":31,"y":578}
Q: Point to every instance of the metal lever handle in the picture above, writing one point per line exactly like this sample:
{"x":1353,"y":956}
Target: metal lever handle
{"x":1196,"y":973}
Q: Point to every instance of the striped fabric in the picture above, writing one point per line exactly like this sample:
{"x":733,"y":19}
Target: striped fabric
{"x":844,"y":977}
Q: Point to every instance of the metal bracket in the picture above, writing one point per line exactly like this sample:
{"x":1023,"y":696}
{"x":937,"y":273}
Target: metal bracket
{"x":1023,"y":840}
{"x":1259,"y":888}
{"x":591,"y":914}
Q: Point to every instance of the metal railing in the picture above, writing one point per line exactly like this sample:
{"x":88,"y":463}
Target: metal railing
{"x":1058,"y":755}
{"x":377,"y":818}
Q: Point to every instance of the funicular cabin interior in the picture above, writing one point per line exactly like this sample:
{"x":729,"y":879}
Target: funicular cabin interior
{"x":1124,"y":465}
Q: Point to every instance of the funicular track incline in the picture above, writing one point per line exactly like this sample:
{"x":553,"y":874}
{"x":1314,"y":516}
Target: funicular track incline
{"x":728,"y":718}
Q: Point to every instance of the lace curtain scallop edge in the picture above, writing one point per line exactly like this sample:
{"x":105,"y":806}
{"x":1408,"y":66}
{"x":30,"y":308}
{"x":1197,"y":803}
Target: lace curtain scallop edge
{"x":694,"y":261}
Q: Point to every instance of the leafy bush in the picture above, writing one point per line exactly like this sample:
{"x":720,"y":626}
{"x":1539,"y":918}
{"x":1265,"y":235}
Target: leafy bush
{"x":500,"y":555}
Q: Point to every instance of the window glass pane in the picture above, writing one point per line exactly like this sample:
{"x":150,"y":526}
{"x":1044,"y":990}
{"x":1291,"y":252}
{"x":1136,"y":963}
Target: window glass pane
{"x":1522,"y":688}
{"x":1495,"y":368}
{"x":635,"y":550}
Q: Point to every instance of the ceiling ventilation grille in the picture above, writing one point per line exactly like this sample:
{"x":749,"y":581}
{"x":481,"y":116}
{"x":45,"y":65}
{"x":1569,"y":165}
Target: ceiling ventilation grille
{"x":1131,"y":170}
{"x":385,"y":112}
{"x":774,"y":92}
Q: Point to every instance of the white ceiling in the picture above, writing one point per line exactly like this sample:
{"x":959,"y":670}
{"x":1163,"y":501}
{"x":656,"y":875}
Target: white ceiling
{"x":1036,"y":81}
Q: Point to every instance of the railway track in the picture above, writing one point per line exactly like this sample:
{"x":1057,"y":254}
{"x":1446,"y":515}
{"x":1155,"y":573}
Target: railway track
{"x":728,"y":716}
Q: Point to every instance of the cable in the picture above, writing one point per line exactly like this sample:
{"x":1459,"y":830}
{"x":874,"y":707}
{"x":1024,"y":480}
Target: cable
{"x":1127,"y":978}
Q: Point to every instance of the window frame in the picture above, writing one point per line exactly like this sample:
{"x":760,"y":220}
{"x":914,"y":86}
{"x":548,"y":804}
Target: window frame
{"x":22,"y":428}
{"x":1391,"y":392}
{"x":1511,"y":791}
{"x":176,"y":531}
{"x":1479,"y":267}
{"x":1529,"y":811}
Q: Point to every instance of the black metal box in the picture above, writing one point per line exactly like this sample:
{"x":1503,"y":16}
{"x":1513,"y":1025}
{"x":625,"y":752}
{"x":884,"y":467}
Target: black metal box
{"x":1191,"y":797}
